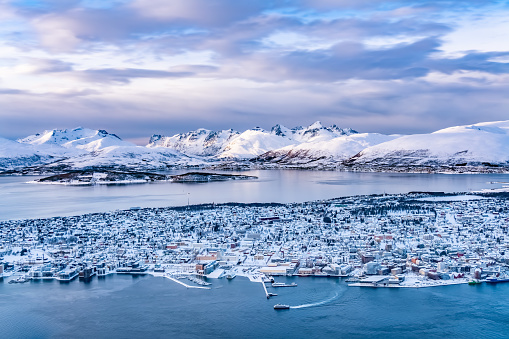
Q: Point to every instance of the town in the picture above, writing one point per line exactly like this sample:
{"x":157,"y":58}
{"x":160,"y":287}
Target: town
{"x":407,"y":240}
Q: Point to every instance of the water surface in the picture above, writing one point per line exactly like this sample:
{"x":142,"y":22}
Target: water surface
{"x":19,"y":200}
{"x":121,"y":306}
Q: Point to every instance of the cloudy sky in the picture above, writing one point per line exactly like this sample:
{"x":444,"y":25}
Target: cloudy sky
{"x":139,"y":67}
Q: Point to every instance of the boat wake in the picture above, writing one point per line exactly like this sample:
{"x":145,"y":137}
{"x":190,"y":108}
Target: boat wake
{"x":317,"y":303}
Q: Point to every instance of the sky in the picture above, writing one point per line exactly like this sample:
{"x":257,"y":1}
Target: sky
{"x":142,"y":67}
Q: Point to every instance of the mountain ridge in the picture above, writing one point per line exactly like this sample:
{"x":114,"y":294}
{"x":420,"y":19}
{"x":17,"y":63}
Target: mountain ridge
{"x":476,"y":148}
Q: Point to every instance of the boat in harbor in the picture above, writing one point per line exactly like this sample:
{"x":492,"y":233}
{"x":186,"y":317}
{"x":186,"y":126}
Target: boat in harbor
{"x":497,"y":279}
{"x":281,"y":307}
{"x":474,"y":282}
{"x":280,"y":284}
{"x":230,"y":276}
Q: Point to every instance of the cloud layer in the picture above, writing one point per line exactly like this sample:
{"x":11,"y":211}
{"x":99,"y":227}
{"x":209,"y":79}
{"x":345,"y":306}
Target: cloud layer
{"x":139,"y":67}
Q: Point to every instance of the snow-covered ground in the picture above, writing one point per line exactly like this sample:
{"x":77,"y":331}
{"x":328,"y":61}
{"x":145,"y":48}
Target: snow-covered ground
{"x":429,"y":243}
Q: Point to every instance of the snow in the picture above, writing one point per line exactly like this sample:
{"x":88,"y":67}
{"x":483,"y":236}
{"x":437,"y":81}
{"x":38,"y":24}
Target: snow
{"x":333,"y":150}
{"x":483,"y":142}
{"x":80,"y":138}
{"x":452,"y":198}
{"x":252,"y":143}
{"x":317,"y":132}
{"x":231,"y":144}
{"x":14,"y":154}
{"x":132,"y":157}
{"x":201,"y":142}
{"x":12,"y":149}
{"x":343,"y":147}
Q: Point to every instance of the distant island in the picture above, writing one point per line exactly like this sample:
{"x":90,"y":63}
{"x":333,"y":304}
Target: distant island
{"x":104,"y":177}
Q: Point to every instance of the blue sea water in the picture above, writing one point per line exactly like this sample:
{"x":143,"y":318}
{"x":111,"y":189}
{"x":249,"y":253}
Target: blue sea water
{"x":121,"y":306}
{"x":19,"y":200}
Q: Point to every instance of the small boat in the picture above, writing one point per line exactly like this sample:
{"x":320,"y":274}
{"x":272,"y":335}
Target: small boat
{"x":281,"y":307}
{"x":230,"y":276}
{"x":280,"y":284}
{"x":272,"y":294}
{"x":474,"y":282}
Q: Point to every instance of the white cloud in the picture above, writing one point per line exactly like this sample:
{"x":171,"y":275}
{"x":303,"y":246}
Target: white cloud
{"x":479,"y":32}
{"x":57,"y":33}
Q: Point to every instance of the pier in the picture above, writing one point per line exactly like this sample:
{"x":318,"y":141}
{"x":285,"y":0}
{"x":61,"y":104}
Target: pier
{"x":186,"y":285}
{"x":265,"y":289}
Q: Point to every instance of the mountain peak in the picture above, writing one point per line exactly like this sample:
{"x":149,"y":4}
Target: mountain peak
{"x":280,"y":130}
{"x":315,"y":125}
{"x":80,"y":138}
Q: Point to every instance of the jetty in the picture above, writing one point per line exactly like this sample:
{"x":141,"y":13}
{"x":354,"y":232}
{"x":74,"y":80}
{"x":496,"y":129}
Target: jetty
{"x":267,"y":294}
{"x":186,"y":285}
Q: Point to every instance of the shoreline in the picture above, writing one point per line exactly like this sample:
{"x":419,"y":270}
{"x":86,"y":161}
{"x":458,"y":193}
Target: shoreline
{"x":397,"y":241}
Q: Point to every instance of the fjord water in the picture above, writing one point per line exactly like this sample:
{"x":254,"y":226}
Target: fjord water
{"x":120,"y":306}
{"x":19,"y":200}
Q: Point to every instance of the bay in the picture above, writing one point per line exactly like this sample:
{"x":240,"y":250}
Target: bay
{"x":121,"y":306}
{"x":20,"y":200}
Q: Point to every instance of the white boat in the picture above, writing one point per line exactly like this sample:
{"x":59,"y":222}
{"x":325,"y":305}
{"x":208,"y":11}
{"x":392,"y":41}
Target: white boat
{"x":281,"y":307}
{"x":280,"y":284}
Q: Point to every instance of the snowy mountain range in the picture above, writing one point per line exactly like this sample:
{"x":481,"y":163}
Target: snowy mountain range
{"x":230,"y":144}
{"x":478,"y":147}
{"x":484,"y":144}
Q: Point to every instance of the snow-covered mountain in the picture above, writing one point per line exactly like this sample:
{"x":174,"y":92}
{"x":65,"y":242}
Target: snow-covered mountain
{"x":314,"y":132}
{"x":252,"y":143}
{"x":323,"y":152}
{"x":472,"y":147}
{"x":482,"y":144}
{"x":79,"y":138}
{"x":201,"y":142}
{"x":78,"y":148}
{"x":82,"y":148}
{"x":230,"y":144}
{"x":15,"y":155}
{"x":127,"y":158}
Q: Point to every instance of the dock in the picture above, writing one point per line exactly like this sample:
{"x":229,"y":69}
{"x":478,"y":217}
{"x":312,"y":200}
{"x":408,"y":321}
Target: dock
{"x":265,"y":289}
{"x":186,"y":285}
